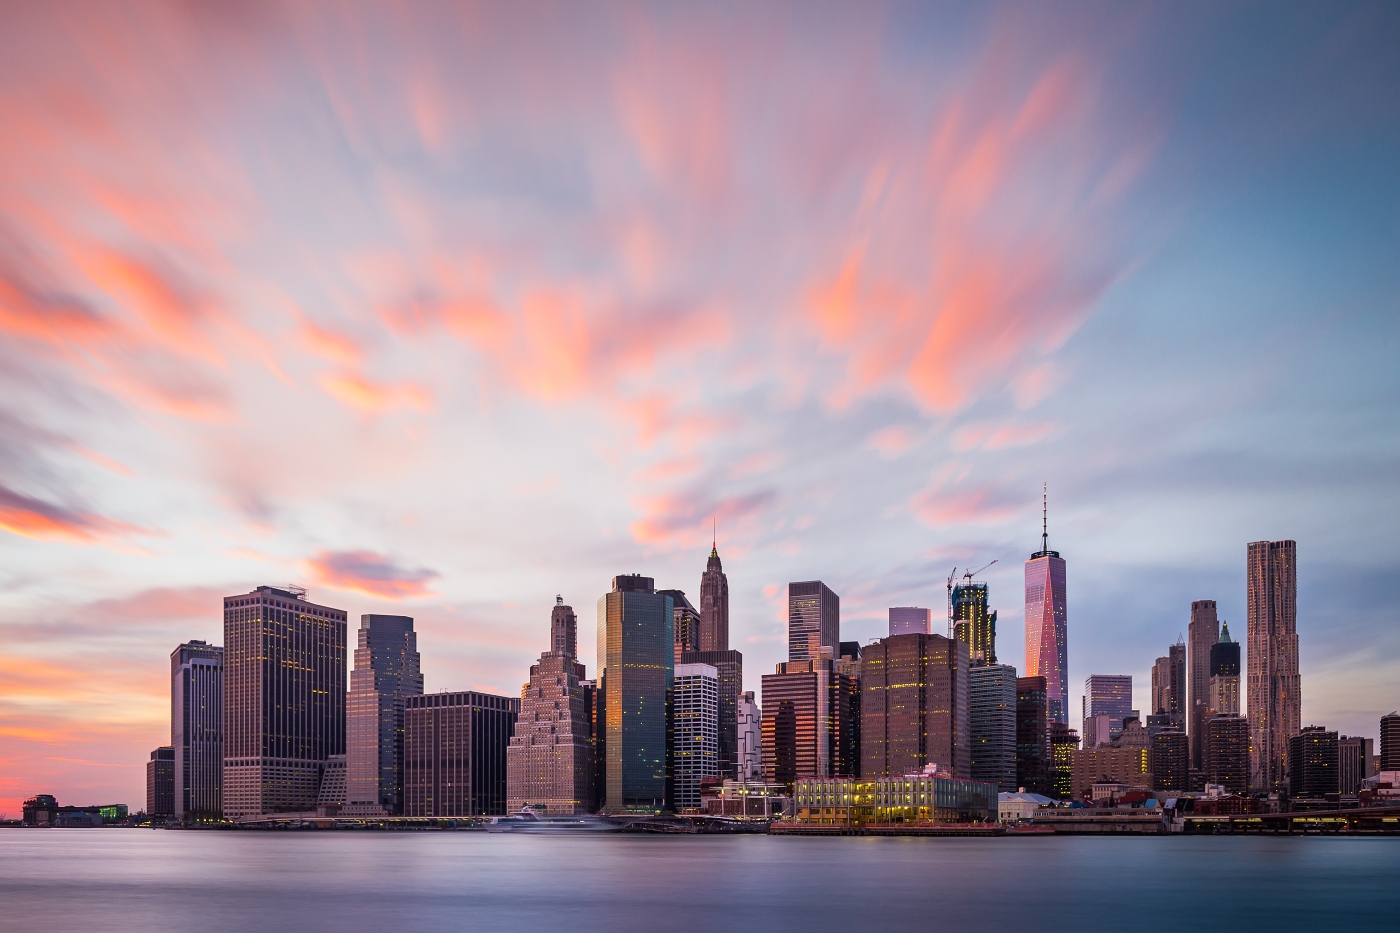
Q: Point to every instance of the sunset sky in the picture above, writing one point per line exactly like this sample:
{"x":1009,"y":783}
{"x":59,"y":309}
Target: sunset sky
{"x":443,"y":310}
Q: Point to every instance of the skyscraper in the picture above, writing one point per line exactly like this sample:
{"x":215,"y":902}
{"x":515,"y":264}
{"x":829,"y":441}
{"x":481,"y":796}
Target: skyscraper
{"x":974,"y":624}
{"x":750,"y":734}
{"x":636,"y":657}
{"x":685,"y":623}
{"x":1064,"y":742}
{"x":1201,"y":634}
{"x":284,"y":699}
{"x":1354,"y":755}
{"x":549,"y":762}
{"x":729,"y":667}
{"x":1224,"y":674}
{"x":1171,"y":753}
{"x":1312,"y":760}
{"x":160,"y":784}
{"x":455,"y":753}
{"x":1227,"y":752}
{"x":1169,"y":689}
{"x":1047,"y":646}
{"x":197,"y":729}
{"x":914,"y":706}
{"x":714,"y":605}
{"x":814,"y":620}
{"x":1390,"y":742}
{"x":386,"y":671}
{"x":910,"y":620}
{"x":1032,"y":735}
{"x":992,"y":719}
{"x":1106,"y":694}
{"x":1275,"y":707}
{"x":695,"y":751}
{"x":806,"y":729}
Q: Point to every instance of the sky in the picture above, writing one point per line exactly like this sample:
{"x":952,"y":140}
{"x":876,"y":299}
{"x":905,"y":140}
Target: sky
{"x":445,"y":309}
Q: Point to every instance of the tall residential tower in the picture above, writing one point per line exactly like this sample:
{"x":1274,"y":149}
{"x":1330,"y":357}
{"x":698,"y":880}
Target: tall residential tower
{"x":1275,"y":707}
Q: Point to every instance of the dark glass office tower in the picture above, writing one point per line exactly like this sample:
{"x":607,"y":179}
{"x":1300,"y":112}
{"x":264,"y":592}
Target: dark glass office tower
{"x":974,"y":624}
{"x":1032,"y":736}
{"x":386,"y":671}
{"x":197,"y":729}
{"x":814,"y":620}
{"x":636,"y":658}
{"x":455,"y":753}
{"x":1312,"y":762}
{"x":992,"y":718}
{"x":1110,"y":695}
{"x":714,"y":605}
{"x":284,"y":699}
{"x":914,"y":706}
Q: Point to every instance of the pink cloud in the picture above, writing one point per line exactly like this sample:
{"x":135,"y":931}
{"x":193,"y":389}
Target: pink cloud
{"x":370,"y":574}
{"x":29,"y":517}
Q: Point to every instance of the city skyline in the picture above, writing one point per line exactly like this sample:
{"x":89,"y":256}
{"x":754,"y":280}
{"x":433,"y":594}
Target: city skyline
{"x":444,"y":341}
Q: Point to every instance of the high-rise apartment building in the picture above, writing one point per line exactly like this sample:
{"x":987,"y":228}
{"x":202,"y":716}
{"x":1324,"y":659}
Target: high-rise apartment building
{"x":729,"y":666}
{"x":1032,"y":735}
{"x":806,"y":728}
{"x":284,"y":699}
{"x":636,"y":658}
{"x":1224,"y":674}
{"x":1171,"y":756}
{"x":814,"y":621}
{"x":695,"y":749}
{"x":910,"y":620}
{"x":1354,"y":755}
{"x":991,"y":698}
{"x":1227,"y":752}
{"x":386,"y":672}
{"x":714,"y":605}
{"x":1110,"y":695}
{"x":1275,"y":704}
{"x":197,"y":729}
{"x":160,"y":784}
{"x":455,"y":753}
{"x":914,"y":706}
{"x":974,"y":622}
{"x":1201,"y":635}
{"x":750,"y":738}
{"x":549,"y":762}
{"x":1047,"y":634}
{"x":1312,"y":760}
{"x":1390,"y":742}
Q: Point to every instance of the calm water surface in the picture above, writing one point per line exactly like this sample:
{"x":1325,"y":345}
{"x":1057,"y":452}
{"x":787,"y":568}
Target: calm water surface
{"x":217,"y":882}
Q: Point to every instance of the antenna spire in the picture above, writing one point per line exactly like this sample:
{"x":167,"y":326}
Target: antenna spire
{"x":1045,"y":517}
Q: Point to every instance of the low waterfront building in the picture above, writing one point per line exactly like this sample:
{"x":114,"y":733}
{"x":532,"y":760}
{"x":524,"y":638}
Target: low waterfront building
{"x":1128,"y":764}
{"x":160,"y":783}
{"x":455,"y":753}
{"x":1018,"y":806}
{"x":928,"y":797}
{"x":330,"y":798}
{"x":43,"y":810}
{"x":747,"y":800}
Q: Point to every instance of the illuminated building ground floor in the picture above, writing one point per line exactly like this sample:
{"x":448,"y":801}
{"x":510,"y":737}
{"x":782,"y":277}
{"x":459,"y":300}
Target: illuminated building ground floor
{"x":913,"y":798}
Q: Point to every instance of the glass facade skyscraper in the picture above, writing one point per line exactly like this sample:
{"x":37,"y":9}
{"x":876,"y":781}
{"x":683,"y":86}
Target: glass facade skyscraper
{"x":992,"y":719}
{"x":636,"y":658}
{"x":386,"y":671}
{"x":814,"y":620}
{"x":1106,"y":694}
{"x":197,"y":729}
{"x":974,"y":624}
{"x":1047,"y":646}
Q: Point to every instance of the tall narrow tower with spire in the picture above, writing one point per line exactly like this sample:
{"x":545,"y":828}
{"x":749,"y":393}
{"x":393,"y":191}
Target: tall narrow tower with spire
{"x":714,"y":604}
{"x":1047,"y":648}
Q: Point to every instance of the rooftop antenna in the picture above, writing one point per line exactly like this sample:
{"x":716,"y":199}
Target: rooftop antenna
{"x":1045,"y":518}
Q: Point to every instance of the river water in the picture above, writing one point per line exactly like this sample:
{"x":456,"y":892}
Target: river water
{"x":219,"y":882}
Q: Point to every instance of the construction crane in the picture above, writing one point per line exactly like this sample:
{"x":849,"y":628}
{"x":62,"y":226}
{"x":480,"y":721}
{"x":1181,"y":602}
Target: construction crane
{"x":972,"y":573}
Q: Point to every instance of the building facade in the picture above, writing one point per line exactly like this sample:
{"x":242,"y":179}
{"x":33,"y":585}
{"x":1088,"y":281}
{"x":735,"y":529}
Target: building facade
{"x":814,"y":621}
{"x":1227,"y":752}
{"x":197,"y":729}
{"x":914,"y":706}
{"x":695,"y":752}
{"x":1110,"y":695}
{"x":455,"y":753}
{"x":549,"y":762}
{"x":974,"y":622}
{"x":386,"y":672}
{"x":714,"y":605}
{"x":806,"y":728}
{"x":1354,"y":755}
{"x":911,"y":620}
{"x":1169,"y":687}
{"x":160,"y":784}
{"x":1171,"y":760}
{"x":1390,"y":742}
{"x":926,"y":796}
{"x":1275,"y":704}
{"x":636,"y":660}
{"x":991,"y":699}
{"x":284,"y":699}
{"x":1047,"y":627}
{"x":729,"y":665}
{"x":750,"y":738}
{"x":1064,"y":742}
{"x":1032,"y":736}
{"x":1312,"y":758}
{"x":1127,"y":764}
{"x":1224,"y":674}
{"x":685,"y":624}
{"x":1202,"y":633}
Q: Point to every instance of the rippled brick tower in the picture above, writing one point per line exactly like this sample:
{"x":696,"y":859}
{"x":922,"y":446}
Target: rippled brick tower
{"x":1275,"y":704}
{"x":549,"y":762}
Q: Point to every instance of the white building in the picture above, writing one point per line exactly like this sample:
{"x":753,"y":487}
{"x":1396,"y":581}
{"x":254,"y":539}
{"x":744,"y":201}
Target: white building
{"x":750,"y":741}
{"x":1013,"y":808}
{"x":695,"y":704}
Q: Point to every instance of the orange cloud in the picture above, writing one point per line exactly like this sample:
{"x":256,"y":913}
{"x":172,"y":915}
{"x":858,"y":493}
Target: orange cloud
{"x":366,"y":395}
{"x":33,"y":518}
{"x":369,"y":573}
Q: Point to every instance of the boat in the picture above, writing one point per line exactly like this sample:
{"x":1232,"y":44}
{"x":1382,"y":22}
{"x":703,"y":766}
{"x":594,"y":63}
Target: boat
{"x":529,"y":820}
